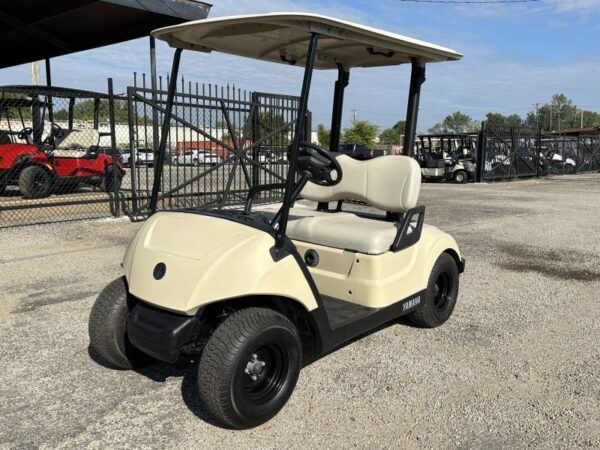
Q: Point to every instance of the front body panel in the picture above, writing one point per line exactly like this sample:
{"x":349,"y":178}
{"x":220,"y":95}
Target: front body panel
{"x":208,"y":259}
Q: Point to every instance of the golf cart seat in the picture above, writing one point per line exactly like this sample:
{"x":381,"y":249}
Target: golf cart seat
{"x":389,"y":183}
{"x":76,"y":143}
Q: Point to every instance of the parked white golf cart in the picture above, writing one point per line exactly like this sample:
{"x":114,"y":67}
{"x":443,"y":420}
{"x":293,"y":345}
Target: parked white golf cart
{"x":244,"y":289}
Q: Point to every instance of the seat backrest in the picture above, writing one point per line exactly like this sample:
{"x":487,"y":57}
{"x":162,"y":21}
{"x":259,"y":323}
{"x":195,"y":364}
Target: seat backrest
{"x":391,"y":183}
{"x":81,"y":139}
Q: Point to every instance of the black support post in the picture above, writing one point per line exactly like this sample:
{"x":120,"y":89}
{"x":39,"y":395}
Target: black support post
{"x":298,"y":133}
{"x":417,"y":78}
{"x":480,"y":159}
{"x":113,"y":144}
{"x":255,"y":136}
{"x":338,"y":106}
{"x":49,"y":84}
{"x":160,"y":157}
{"x":154,"y":85}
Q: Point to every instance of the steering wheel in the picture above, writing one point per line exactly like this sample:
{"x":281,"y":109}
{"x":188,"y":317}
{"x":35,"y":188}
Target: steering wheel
{"x":56,"y":131}
{"x":321,"y":165}
{"x":24,"y":133}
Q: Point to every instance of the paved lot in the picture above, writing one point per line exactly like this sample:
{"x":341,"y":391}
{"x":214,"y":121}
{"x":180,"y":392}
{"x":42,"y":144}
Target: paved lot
{"x":517,"y":365}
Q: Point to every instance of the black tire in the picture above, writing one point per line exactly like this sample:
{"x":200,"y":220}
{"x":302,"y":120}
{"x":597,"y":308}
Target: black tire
{"x":107,"y":328}
{"x":440,"y":296}
{"x":460,"y":177}
{"x":246,"y":338}
{"x":108,"y":181}
{"x":35,"y":182}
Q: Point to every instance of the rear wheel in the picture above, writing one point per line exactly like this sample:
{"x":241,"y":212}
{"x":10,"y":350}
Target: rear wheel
{"x":460,"y":177}
{"x":35,"y":182}
{"x":440,"y":297}
{"x":110,"y":181}
{"x":108,"y":328}
{"x":249,"y":367}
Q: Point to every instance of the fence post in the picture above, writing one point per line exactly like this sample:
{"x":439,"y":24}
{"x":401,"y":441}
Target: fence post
{"x":480,"y":163}
{"x":132,"y":142}
{"x":538,"y":150}
{"x":255,"y":137}
{"x":113,"y":143}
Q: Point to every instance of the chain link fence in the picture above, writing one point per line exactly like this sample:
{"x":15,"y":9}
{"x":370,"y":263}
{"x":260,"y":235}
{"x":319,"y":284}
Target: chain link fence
{"x":68,"y":154}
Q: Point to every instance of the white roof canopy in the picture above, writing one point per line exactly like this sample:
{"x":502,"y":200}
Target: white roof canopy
{"x":284,"y":37}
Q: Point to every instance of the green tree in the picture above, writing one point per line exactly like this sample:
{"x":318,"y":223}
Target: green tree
{"x":84,"y":110}
{"x":561,"y":113}
{"x":457,"y":122}
{"x":323,"y":135}
{"x":389,"y":136}
{"x":361,"y":132}
{"x":269,"y":122}
{"x":499,"y":120}
{"x":400,"y":127}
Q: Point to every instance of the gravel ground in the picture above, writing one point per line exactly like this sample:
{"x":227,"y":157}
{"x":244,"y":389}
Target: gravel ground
{"x":515,"y":367}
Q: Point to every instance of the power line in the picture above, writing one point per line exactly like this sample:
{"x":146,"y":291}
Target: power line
{"x":466,"y":2}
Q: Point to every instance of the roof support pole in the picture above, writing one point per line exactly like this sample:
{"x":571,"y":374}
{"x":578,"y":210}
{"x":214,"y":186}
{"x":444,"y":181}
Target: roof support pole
{"x":298,"y":133}
{"x":417,"y":78}
{"x":338,"y":105}
{"x":49,"y":84}
{"x":154,"y":85}
{"x":160,"y":157}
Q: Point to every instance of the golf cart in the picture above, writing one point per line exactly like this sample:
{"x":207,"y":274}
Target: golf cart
{"x":16,"y":145}
{"x":246,"y":290}
{"x":67,"y":159}
{"x":447,"y":157}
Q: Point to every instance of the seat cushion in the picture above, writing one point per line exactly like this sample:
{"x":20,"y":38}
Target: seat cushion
{"x":390,"y":183}
{"x":345,"y":231}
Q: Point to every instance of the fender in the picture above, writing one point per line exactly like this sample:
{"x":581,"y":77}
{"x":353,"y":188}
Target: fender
{"x":435,"y":242}
{"x":183,"y":261}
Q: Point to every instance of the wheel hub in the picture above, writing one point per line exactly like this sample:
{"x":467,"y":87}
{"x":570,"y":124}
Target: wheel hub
{"x":254,"y":367}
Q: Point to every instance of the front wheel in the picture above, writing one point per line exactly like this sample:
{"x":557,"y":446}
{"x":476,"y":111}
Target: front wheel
{"x":249,"y":367}
{"x":440,"y":296}
{"x":35,"y":182}
{"x":107,"y":328}
{"x":460,"y":177}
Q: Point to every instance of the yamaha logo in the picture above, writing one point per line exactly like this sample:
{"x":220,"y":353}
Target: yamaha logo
{"x":159,"y":271}
{"x":411,"y":303}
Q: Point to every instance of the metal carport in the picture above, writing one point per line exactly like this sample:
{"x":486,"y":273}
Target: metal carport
{"x":32,"y":30}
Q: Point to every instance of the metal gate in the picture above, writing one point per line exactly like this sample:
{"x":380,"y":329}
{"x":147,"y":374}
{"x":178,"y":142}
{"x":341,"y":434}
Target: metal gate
{"x":505,"y":153}
{"x":221,"y":142}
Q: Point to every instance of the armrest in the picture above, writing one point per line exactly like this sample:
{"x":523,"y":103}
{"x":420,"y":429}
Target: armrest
{"x":257,"y":189}
{"x":403,"y":238}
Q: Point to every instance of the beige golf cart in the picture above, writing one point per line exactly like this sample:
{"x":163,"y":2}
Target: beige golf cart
{"x":246,"y":289}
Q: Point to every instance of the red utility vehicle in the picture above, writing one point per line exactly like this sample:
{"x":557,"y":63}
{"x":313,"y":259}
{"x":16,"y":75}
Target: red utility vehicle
{"x":75,"y":160}
{"x":14,"y":155}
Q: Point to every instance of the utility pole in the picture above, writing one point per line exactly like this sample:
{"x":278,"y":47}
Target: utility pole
{"x":353,"y":115}
{"x":537,"y":115}
{"x":581,"y":118}
{"x":35,"y":73}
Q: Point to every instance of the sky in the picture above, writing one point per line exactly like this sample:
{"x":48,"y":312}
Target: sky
{"x":515,"y":55}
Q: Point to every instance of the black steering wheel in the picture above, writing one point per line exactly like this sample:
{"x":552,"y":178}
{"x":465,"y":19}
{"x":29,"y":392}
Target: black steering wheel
{"x":321,"y":165}
{"x":24,"y":133}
